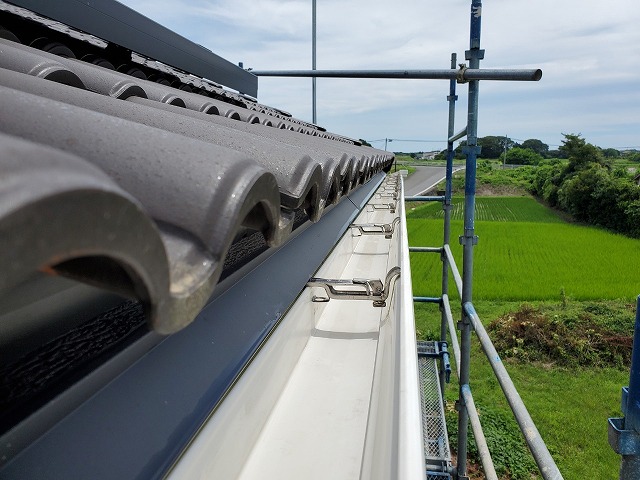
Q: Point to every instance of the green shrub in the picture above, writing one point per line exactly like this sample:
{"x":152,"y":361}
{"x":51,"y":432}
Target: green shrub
{"x":523,"y":156}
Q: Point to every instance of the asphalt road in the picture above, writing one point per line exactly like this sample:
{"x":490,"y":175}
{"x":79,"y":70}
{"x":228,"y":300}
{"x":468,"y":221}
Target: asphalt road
{"x":423,"y":179}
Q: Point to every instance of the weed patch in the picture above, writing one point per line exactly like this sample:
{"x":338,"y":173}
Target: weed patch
{"x":587,"y":335}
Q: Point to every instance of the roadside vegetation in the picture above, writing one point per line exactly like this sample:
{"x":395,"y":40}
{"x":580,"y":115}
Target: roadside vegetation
{"x":404,"y":162}
{"x":558,"y":299}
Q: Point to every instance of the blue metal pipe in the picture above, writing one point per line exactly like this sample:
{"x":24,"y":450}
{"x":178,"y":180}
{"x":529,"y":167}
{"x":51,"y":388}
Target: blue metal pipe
{"x":427,"y":299}
{"x":468,"y":240}
{"x":446,"y":207}
{"x":426,"y":249}
{"x":476,"y":16}
{"x":425,"y":199}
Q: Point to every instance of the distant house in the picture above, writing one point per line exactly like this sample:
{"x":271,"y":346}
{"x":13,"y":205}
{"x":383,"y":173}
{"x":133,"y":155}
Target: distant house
{"x":430,"y":155}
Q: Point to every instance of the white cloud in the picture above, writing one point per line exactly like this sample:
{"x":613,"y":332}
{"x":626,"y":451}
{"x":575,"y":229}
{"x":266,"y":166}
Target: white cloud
{"x":587,"y":50}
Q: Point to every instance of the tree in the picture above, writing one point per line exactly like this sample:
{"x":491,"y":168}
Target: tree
{"x":522,"y":156}
{"x":611,"y":153}
{"x":633,"y":217}
{"x":601,"y":197}
{"x":575,"y":195}
{"x":494,"y":147}
{"x":537,"y":146}
{"x":556,"y":154}
{"x":580,"y":153}
{"x":588,"y":188}
{"x":547,"y":180}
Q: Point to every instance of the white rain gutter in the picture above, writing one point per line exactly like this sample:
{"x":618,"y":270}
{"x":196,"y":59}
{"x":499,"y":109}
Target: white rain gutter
{"x":334,"y":392}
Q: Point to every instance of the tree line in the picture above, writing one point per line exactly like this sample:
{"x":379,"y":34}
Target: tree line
{"x":589,"y":188}
{"x":530,"y":152}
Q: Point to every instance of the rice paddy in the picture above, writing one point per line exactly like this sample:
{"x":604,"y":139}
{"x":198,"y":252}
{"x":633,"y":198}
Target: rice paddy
{"x":500,"y":209}
{"x":526,"y":252}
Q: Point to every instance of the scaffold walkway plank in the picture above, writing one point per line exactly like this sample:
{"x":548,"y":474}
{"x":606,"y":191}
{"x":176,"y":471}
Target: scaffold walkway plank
{"x":436,"y":441}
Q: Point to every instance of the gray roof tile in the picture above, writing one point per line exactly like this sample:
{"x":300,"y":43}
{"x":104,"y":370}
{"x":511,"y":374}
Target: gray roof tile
{"x":196,"y":171}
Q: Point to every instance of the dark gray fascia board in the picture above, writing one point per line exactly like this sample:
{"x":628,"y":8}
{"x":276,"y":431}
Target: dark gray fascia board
{"x":119,"y":24}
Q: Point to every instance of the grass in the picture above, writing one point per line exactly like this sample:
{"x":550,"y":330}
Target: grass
{"x":527,"y":253}
{"x":523,"y":259}
{"x":569,"y":407}
{"x":402,"y":166}
{"x":492,"y":179}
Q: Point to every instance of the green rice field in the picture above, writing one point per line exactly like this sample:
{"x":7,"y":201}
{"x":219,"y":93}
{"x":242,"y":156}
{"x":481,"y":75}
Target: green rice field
{"x":501,"y":209}
{"x":526,"y":252}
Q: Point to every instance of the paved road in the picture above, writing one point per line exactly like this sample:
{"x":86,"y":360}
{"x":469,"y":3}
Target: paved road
{"x":423,"y":179}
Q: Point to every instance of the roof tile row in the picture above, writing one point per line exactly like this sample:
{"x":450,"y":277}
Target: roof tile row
{"x":142,"y":188}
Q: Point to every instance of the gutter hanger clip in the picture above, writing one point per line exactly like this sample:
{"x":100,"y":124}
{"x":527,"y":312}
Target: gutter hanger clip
{"x":356,"y":289}
{"x":385,"y":229}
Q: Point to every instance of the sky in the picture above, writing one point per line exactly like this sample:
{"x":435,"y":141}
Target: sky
{"x":589,"y":52}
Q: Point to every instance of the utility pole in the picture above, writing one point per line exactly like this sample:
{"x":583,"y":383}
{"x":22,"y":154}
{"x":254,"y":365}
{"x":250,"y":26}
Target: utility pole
{"x":313,"y":61}
{"x":504,"y":158}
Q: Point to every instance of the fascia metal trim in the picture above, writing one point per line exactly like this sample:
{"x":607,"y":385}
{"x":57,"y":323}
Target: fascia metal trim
{"x":123,"y":26}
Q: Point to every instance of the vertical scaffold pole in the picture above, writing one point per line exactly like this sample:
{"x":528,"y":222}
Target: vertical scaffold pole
{"x":469,"y":239}
{"x":446,"y":206}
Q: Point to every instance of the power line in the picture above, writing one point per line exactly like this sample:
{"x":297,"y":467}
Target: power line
{"x":403,"y":140}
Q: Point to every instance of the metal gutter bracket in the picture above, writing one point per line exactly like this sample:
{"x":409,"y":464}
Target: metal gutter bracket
{"x":356,"y":289}
{"x":385,"y":229}
{"x":383,"y":206}
{"x":393,"y":195}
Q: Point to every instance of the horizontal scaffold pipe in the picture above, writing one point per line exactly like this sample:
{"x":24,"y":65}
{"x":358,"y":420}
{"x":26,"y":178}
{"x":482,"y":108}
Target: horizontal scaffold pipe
{"x":465,"y":75}
{"x":459,"y":135}
{"x":426,"y":249}
{"x":424,"y":199}
{"x":427,"y":299}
